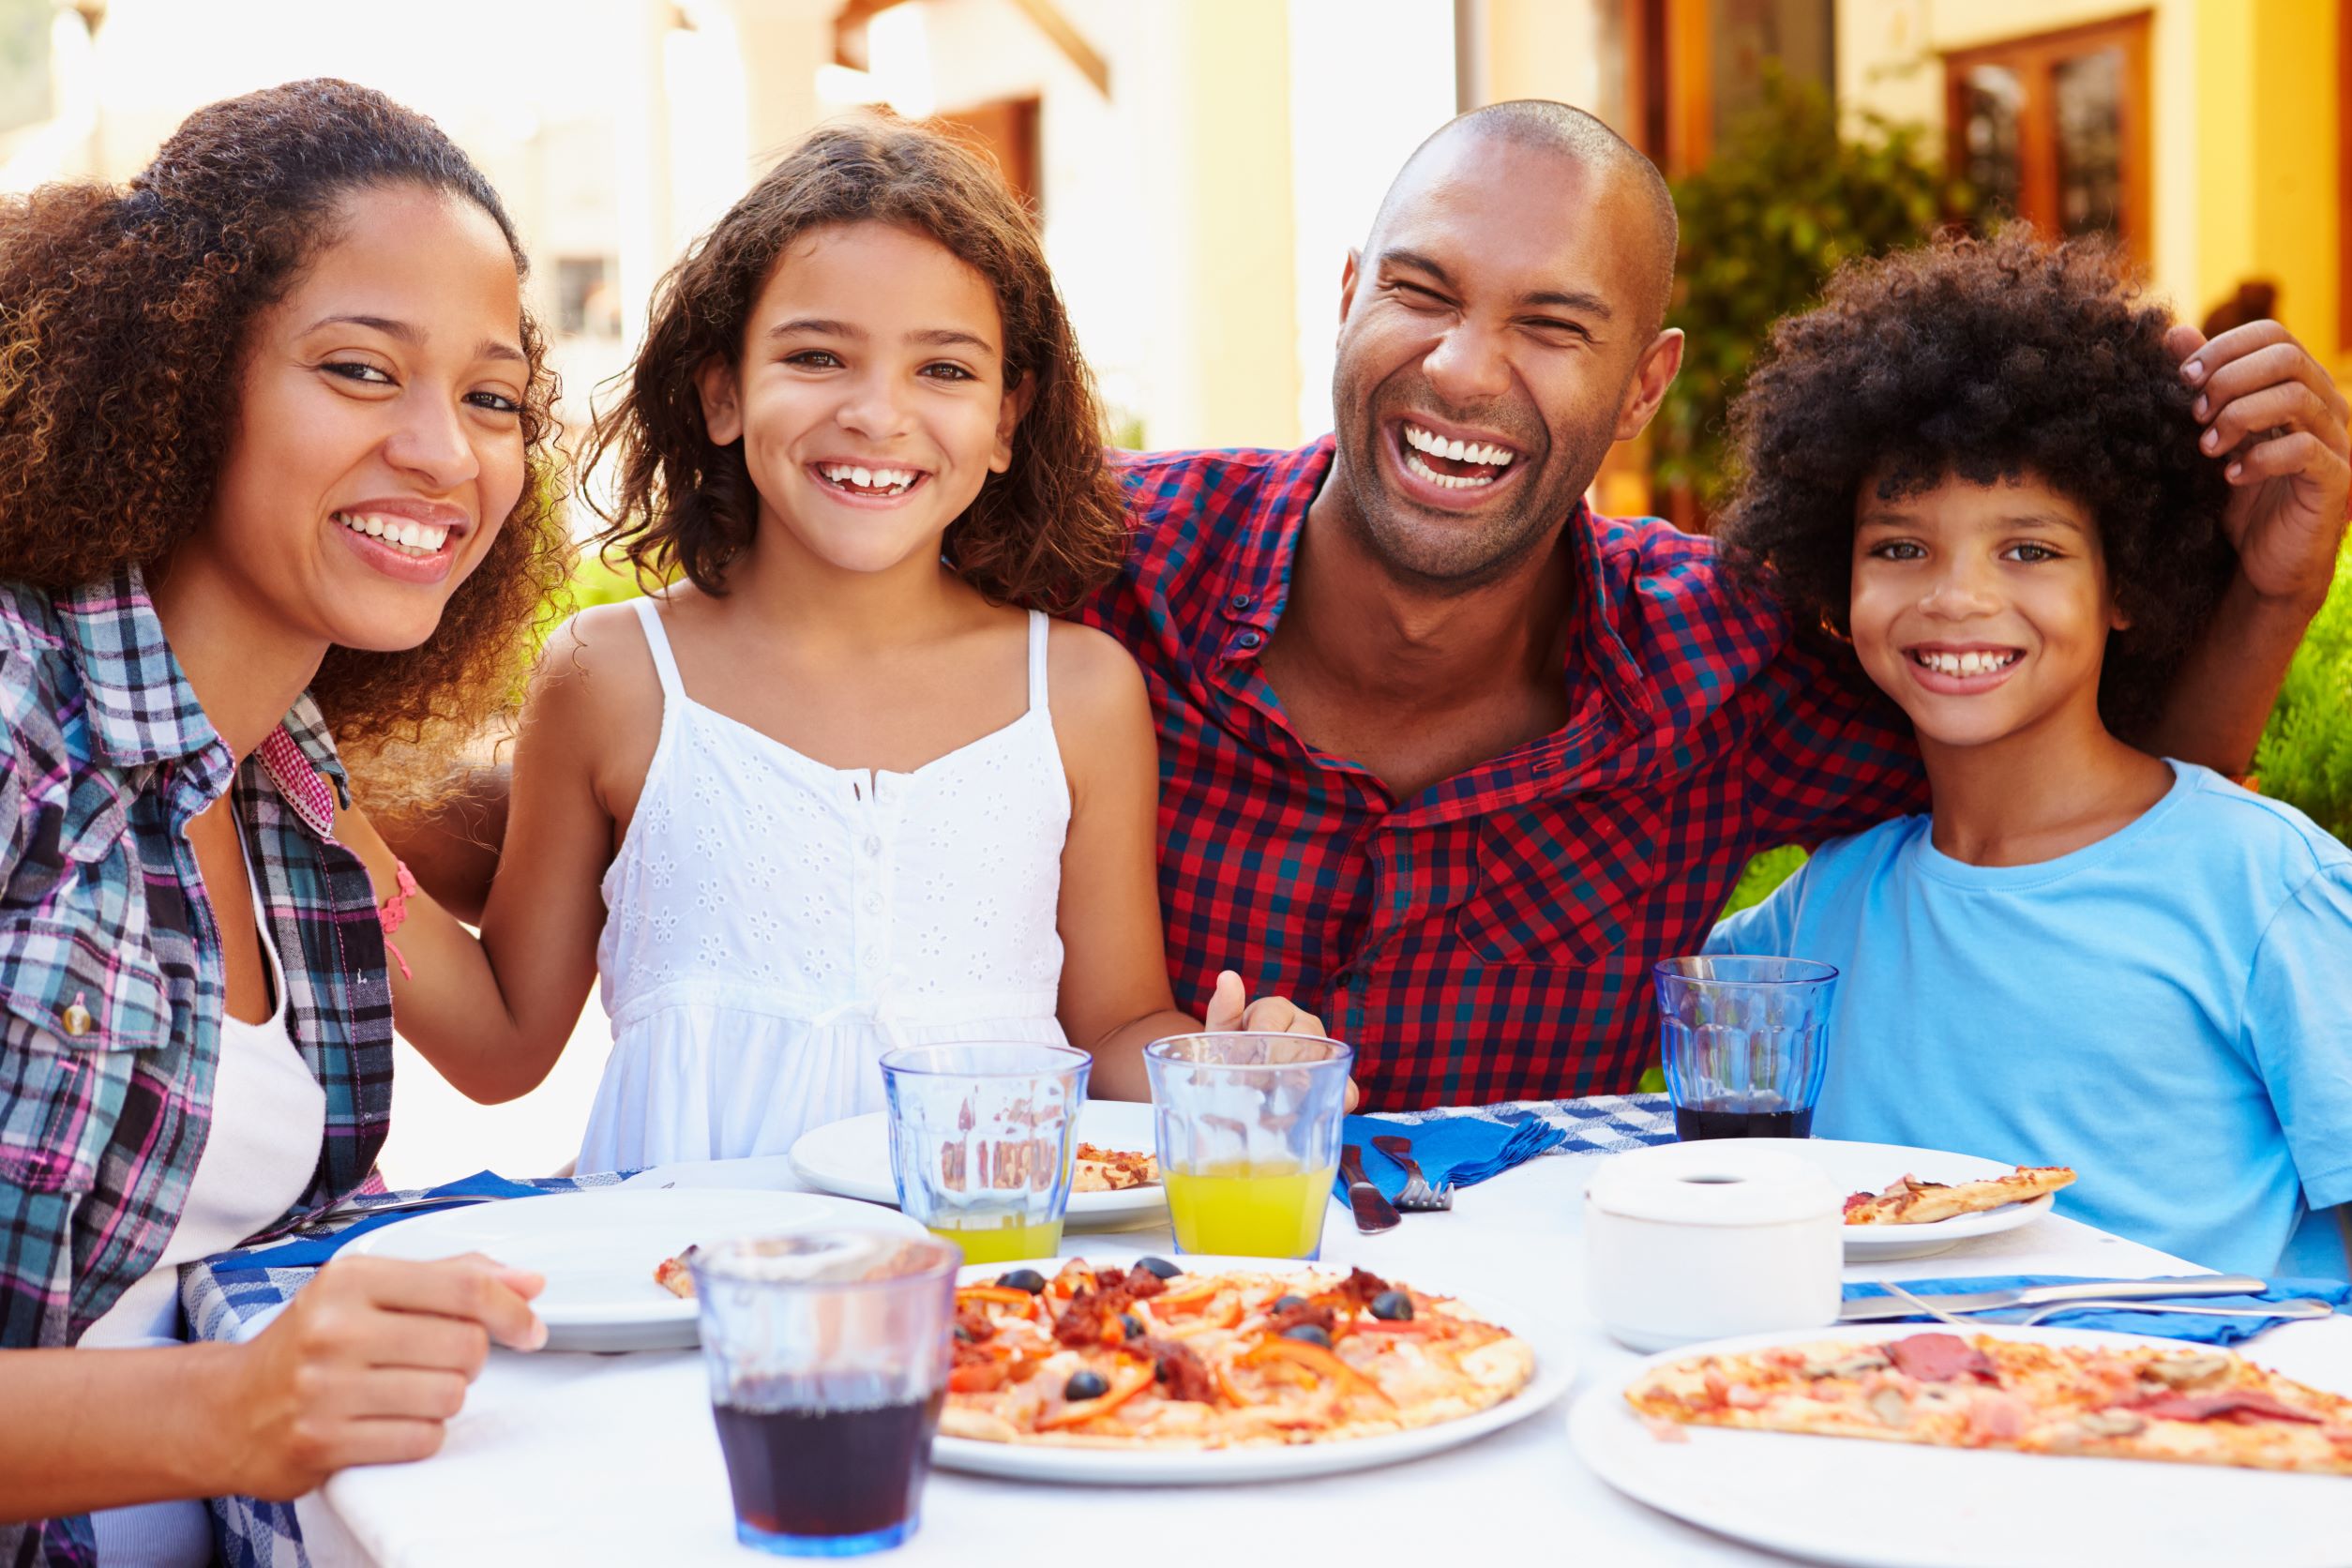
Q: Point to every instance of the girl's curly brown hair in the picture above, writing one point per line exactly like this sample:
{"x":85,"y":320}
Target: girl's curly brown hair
{"x":1985,"y":360}
{"x":1042,"y":534}
{"x":123,"y":314}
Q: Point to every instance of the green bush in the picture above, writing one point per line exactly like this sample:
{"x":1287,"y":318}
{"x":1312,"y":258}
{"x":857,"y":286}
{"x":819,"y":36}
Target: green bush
{"x":2305,"y":757}
{"x":1782,"y":203}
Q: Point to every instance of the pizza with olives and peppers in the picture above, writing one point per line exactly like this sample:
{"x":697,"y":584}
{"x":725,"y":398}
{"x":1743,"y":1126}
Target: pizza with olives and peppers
{"x":2189,"y":1404}
{"x":1146,"y":1356}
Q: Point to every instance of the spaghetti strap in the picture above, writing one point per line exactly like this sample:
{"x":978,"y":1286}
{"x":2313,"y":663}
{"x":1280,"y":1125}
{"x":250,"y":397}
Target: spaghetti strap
{"x":657,"y":644}
{"x":1037,"y":626}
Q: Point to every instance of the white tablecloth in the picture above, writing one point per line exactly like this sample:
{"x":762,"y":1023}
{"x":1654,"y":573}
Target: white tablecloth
{"x":577,"y":1459}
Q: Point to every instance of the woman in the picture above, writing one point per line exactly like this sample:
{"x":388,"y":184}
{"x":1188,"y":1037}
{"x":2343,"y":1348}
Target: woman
{"x":270,"y":471}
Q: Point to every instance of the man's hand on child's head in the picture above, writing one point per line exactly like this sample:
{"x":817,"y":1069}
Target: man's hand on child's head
{"x":2278,"y":421}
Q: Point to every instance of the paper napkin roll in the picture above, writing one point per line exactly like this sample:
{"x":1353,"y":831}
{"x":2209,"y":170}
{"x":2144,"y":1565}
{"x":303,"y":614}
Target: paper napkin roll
{"x":1688,"y":1242}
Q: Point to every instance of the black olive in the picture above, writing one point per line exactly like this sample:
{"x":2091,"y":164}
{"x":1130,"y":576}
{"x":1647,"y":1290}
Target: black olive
{"x":964,"y":1333}
{"x":1022,"y":1279}
{"x":1161,"y":1267}
{"x":1084,"y":1385}
{"x":1131,"y":1325}
{"x":1309,"y":1332}
{"x":1284,"y":1304}
{"x":1392,"y":1306}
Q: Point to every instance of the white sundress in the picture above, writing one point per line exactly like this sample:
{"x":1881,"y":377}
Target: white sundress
{"x":774,"y":925}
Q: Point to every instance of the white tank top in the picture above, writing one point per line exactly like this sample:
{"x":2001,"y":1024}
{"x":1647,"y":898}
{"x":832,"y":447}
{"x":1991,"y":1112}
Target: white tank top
{"x":774,"y":925}
{"x":268,"y":1123}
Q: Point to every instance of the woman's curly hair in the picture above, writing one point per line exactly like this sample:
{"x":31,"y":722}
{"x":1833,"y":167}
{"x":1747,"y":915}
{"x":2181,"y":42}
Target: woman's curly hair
{"x":124,"y":318}
{"x":1041,"y":534}
{"x":1985,"y":360}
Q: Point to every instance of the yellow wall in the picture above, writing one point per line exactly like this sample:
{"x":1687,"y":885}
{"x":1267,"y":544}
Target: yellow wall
{"x":2243,"y":130}
{"x":1227,"y":331}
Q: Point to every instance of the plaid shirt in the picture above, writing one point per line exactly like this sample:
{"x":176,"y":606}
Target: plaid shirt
{"x":1489,"y":938}
{"x":111,"y":976}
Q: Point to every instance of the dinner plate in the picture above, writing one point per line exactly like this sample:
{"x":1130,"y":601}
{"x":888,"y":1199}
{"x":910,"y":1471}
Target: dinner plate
{"x":852,"y":1158}
{"x":1905,"y":1505}
{"x":1554,"y":1370}
{"x":1874,"y":1167}
{"x":598,"y":1250}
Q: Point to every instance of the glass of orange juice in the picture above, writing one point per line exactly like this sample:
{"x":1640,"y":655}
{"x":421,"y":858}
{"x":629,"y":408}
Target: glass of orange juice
{"x":981,"y":1138}
{"x":1248,"y":1128}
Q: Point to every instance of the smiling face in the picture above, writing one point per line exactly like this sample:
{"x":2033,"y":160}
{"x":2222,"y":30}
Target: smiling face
{"x":378,"y":444}
{"x":870,"y":395}
{"x":1983,"y":609}
{"x":1487,"y":357}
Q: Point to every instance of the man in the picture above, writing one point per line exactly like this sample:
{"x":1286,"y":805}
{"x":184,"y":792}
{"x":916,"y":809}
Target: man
{"x":1451,"y":761}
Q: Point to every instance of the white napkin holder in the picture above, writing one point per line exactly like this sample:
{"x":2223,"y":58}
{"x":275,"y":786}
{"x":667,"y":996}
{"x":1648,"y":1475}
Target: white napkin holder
{"x":1687,"y":1242}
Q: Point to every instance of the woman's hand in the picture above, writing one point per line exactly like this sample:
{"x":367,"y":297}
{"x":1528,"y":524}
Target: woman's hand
{"x":366,"y":1366}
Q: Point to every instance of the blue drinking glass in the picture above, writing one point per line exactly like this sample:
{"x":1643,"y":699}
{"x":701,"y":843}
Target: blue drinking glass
{"x":1745,"y":1043}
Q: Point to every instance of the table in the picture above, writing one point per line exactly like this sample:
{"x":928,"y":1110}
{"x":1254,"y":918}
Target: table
{"x":580,"y":1458}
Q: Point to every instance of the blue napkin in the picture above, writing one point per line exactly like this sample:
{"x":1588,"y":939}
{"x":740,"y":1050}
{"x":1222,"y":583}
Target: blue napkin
{"x":2167,"y":1325}
{"x":1458,"y":1149}
{"x":309,"y":1252}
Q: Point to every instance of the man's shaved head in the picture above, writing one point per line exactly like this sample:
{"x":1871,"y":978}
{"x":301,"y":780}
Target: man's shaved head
{"x":1544,"y":126}
{"x":1498,"y":332}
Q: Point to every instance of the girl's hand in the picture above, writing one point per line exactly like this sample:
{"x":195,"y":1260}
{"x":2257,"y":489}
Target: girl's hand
{"x":366,"y":1366}
{"x":1230,"y":1010}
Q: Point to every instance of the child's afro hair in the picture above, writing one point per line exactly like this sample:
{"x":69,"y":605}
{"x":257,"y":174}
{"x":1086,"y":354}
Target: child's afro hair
{"x":1986,"y":359}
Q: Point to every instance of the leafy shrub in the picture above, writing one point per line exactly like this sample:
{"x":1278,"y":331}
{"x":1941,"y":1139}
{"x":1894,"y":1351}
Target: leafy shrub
{"x":2305,"y":757}
{"x":1782,"y":203}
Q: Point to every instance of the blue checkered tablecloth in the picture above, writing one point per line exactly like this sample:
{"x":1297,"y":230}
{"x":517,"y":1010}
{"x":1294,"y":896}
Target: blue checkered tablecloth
{"x":1598,"y":1124}
{"x":225,"y":1293}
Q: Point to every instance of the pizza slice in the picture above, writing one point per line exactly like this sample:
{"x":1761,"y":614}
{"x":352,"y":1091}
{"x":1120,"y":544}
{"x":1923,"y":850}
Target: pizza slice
{"x":2187,"y":1404}
{"x":1912,"y":1201}
{"x":1098,"y":1170}
{"x":676,"y":1274}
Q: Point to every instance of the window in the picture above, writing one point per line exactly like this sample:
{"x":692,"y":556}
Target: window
{"x":2053,"y":129}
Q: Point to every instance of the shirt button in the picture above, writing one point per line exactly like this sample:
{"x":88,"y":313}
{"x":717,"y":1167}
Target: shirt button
{"x":1249,"y":640}
{"x":870,"y":960}
{"x":873,"y":903}
{"x":1239,"y":601}
{"x":872,"y":845}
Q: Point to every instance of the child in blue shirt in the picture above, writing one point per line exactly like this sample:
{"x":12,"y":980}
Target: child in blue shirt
{"x":1972,"y":466}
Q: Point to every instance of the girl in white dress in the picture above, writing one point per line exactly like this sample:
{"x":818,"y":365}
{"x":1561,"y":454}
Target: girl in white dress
{"x":842,"y":784}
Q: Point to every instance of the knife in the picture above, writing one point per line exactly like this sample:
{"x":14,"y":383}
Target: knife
{"x":1875,"y":1308}
{"x":1373,"y":1212}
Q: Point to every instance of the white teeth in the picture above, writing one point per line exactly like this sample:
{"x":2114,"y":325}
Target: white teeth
{"x":1467,"y":481}
{"x":1458,"y":451}
{"x":1971,"y":663}
{"x":885,"y":479}
{"x":412,"y":538}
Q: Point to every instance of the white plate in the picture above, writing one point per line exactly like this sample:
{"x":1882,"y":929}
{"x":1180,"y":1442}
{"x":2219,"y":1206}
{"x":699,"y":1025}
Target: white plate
{"x":1874,"y":1167}
{"x":598,"y":1250}
{"x":1901,"y":1505}
{"x":1554,"y":1370}
{"x":852,"y":1158}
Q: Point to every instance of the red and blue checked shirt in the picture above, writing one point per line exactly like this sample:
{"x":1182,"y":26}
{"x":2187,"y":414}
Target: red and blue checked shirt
{"x":1491,"y":937}
{"x":111,"y":979}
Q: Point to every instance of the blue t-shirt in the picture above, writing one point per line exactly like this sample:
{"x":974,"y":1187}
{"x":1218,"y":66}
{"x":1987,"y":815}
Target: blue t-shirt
{"x":2168,"y":1011}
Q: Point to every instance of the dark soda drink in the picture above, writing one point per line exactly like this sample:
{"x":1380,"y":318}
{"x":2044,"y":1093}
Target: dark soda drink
{"x":1692,"y":1122}
{"x":830,"y":1458}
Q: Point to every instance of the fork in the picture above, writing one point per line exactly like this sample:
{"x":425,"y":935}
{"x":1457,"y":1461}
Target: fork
{"x":1419,"y":1195}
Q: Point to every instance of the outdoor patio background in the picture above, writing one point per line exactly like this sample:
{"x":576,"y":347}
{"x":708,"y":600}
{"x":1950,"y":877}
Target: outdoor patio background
{"x":1200,"y":167}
